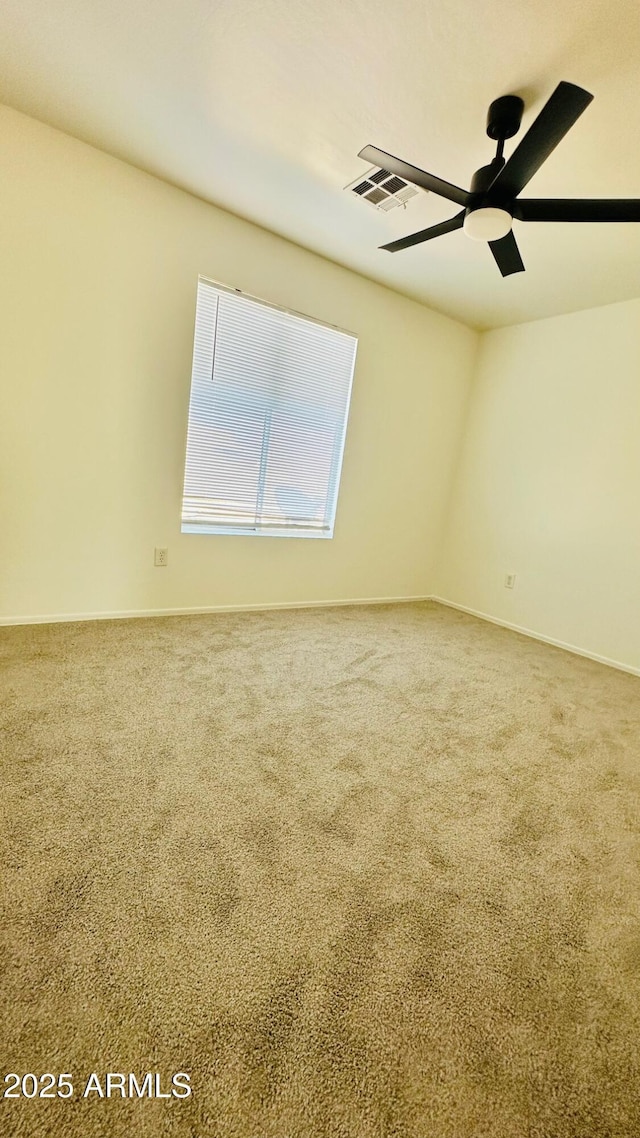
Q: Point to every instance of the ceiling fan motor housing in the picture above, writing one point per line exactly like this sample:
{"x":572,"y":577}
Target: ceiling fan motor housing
{"x":483,"y":177}
{"x":484,"y":219}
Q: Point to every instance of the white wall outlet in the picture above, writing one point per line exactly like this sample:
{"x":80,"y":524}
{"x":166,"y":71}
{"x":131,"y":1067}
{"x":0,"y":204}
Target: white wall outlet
{"x":161,"y":558}
{"x":509,"y":580}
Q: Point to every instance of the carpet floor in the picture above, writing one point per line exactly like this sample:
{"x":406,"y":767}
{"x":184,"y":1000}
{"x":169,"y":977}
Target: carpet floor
{"x":359,"y":872}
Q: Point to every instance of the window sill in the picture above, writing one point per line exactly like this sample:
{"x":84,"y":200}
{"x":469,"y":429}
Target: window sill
{"x":231,"y":531}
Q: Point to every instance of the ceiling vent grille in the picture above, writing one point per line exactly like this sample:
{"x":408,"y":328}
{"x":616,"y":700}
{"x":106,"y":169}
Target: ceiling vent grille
{"x":382,"y":189}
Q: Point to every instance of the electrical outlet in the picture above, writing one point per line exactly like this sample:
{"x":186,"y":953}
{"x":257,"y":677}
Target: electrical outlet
{"x":161,"y":558}
{"x":509,"y":580}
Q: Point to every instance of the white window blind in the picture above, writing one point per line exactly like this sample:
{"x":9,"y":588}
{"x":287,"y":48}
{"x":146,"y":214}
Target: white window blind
{"x":267,"y":418}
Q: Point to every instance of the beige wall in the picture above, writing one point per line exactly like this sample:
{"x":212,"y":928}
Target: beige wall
{"x":548,"y":483}
{"x":97,"y":295}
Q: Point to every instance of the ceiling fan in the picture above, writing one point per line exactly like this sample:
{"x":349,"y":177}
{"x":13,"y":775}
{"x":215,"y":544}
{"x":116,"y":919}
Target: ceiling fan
{"x":492,"y":203}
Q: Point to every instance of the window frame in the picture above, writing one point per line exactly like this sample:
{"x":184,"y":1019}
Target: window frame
{"x":209,"y":529}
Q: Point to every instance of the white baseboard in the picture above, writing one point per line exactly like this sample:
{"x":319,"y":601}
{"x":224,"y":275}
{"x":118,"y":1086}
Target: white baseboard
{"x":539,"y":636}
{"x":132,"y":614}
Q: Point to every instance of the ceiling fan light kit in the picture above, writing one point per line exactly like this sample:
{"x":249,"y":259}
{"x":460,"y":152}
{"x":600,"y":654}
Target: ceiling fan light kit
{"x":488,"y":223}
{"x":493,"y":201}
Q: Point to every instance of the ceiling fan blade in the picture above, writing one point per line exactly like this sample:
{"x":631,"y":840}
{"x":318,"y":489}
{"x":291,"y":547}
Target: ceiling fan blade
{"x":577,"y":209}
{"x":558,"y":115}
{"x":507,"y":255}
{"x":426,"y":234}
{"x":414,"y":175}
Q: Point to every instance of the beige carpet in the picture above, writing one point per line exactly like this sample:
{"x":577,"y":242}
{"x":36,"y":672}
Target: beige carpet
{"x":362,"y":873}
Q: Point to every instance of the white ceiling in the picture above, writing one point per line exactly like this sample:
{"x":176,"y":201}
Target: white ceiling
{"x":261,"y":106}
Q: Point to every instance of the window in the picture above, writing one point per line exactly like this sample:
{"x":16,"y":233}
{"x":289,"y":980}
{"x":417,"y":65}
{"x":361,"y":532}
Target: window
{"x":267,"y":418}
